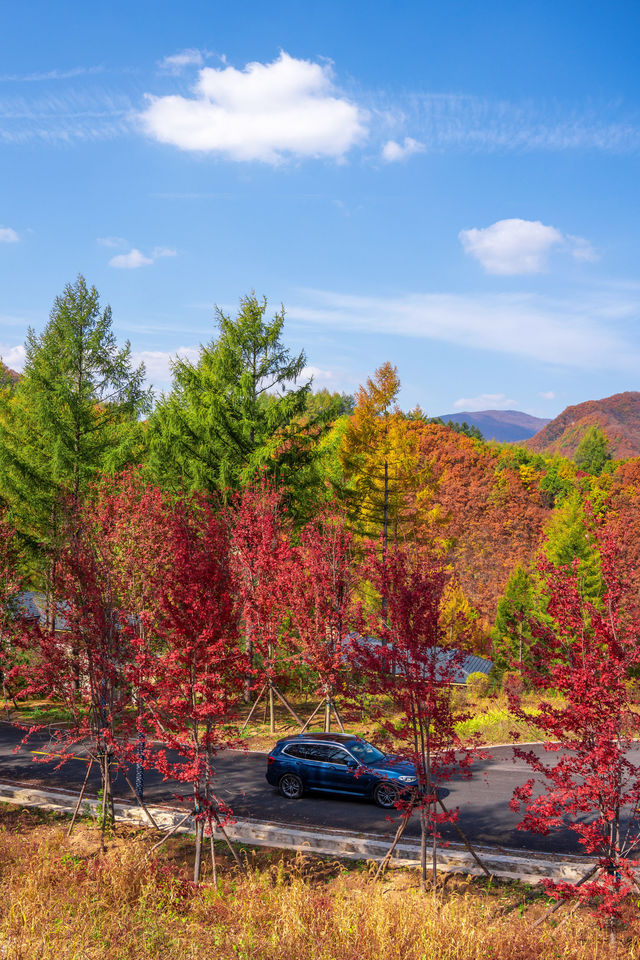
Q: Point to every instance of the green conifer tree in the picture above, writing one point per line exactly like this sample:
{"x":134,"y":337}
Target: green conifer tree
{"x":236,"y":411}
{"x":568,"y":539}
{"x":73,"y":413}
{"x":593,"y":451}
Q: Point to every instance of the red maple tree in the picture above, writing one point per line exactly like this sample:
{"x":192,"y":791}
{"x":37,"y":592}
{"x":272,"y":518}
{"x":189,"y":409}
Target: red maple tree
{"x":324,"y":609}
{"x":406,"y":660}
{"x":189,"y":667}
{"x":587,"y":652}
{"x":260,"y":558}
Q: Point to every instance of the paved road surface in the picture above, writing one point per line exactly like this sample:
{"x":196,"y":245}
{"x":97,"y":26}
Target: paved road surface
{"x":482,"y":801}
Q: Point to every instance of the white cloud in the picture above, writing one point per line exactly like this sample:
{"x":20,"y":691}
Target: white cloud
{"x":584,"y":332}
{"x":135,"y":258}
{"x":518,"y":246}
{"x":8,"y":235}
{"x":112,"y":242}
{"x":486,"y":401}
{"x":176,"y":63}
{"x":547,"y":395}
{"x":393,"y":151}
{"x":13,"y":357}
{"x":266,"y":112}
{"x":158,"y":362}
{"x":130,"y":261}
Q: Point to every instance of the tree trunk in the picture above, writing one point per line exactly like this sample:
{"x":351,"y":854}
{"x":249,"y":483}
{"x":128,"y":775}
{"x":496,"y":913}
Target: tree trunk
{"x":197,"y":865}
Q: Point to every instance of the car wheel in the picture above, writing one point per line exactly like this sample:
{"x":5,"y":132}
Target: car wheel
{"x":385,"y":795}
{"x":291,"y":786}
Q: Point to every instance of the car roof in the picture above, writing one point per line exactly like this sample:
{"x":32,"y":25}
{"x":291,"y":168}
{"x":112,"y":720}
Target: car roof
{"x":324,"y":737}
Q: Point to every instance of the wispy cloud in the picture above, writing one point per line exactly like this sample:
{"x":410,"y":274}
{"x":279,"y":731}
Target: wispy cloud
{"x":177,"y":62}
{"x":547,"y":395}
{"x":65,"y":118}
{"x":51,"y":75}
{"x":485,"y":401}
{"x":593,"y":332}
{"x":445,"y":122}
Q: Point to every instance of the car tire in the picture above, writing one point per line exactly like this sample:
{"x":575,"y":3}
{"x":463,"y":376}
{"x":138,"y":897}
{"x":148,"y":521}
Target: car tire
{"x":385,"y":795}
{"x":290,"y":786}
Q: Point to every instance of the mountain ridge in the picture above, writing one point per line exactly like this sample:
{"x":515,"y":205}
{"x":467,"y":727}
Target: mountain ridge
{"x":505,"y":426}
{"x":618,"y":416}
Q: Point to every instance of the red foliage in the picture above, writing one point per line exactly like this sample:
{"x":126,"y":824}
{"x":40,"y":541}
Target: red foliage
{"x":260,"y":559}
{"x":410,"y":665}
{"x":490,"y":520}
{"x":323,"y":606}
{"x":586,"y":653}
{"x":188,"y":670}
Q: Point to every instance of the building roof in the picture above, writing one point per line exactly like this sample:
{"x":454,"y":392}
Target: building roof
{"x":32,"y":605}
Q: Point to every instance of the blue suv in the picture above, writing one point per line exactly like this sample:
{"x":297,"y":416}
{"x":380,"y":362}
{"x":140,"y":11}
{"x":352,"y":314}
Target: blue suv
{"x":338,"y":763}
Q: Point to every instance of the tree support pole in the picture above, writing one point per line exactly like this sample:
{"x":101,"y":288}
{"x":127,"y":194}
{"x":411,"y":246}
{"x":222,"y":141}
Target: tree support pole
{"x":466,"y":842}
{"x":174,"y":828}
{"x":561,"y":903}
{"x":140,"y":801}
{"x":253,"y":709}
{"x":80,"y":796}
{"x":401,"y":828}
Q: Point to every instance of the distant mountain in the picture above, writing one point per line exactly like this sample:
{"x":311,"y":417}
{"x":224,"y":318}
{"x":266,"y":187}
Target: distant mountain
{"x":9,"y":373}
{"x":503,"y":425}
{"x":618,"y":416}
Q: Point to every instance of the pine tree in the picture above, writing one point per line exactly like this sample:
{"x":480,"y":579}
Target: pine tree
{"x":517,"y":608}
{"x":569,"y":539}
{"x":593,"y":451}
{"x":73,"y":413}
{"x":234,"y":412}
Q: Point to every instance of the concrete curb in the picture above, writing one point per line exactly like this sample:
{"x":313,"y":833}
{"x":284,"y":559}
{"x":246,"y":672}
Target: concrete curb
{"x":503,"y":863}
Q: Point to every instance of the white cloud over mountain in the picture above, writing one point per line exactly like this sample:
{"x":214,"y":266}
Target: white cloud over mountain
{"x":518,"y":246}
{"x":265,"y":112}
{"x":485,"y":401}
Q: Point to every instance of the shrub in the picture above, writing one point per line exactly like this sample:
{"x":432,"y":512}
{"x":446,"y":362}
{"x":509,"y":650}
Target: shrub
{"x":512,"y":683}
{"x":478,"y":684}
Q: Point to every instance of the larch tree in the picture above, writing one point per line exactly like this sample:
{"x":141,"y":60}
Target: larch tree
{"x":73,"y":413}
{"x":236,"y":411}
{"x":387,"y":483}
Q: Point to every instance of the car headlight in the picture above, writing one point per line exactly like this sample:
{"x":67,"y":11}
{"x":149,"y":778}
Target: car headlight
{"x":408,"y":779}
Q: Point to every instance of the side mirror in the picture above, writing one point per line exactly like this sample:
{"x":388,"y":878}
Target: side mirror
{"x":353,"y":764}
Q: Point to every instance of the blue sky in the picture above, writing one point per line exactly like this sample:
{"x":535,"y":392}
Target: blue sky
{"x":452,"y":187}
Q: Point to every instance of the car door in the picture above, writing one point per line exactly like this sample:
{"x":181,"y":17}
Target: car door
{"x":332,"y":770}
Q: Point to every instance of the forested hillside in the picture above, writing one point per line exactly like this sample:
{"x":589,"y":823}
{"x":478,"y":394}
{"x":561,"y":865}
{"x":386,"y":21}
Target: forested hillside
{"x":618,"y":417}
{"x":245,"y":412}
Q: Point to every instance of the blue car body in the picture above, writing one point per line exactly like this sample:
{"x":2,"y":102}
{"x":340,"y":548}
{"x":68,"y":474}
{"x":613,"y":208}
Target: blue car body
{"x":338,"y":763}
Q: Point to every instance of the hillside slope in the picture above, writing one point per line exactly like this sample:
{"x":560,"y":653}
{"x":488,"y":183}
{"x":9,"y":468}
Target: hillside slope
{"x":618,"y":416}
{"x":503,"y":425}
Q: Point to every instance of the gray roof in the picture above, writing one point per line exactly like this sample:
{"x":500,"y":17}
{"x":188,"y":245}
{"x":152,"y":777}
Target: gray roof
{"x":32,"y":605}
{"x":467,"y":664}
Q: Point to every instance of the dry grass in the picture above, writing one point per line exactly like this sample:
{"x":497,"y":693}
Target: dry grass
{"x":66,"y":899}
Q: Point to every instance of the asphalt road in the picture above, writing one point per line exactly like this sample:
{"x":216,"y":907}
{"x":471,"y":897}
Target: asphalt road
{"x":483,"y":801}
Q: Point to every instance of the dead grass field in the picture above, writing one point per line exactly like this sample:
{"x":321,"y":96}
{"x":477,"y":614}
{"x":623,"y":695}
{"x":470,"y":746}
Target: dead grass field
{"x":69,"y":900}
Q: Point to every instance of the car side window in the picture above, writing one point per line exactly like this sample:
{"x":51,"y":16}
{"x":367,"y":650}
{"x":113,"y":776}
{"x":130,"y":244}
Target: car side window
{"x":297,"y":750}
{"x":339,"y":756}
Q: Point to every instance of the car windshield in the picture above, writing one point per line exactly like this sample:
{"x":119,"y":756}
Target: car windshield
{"x":365,"y":753}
